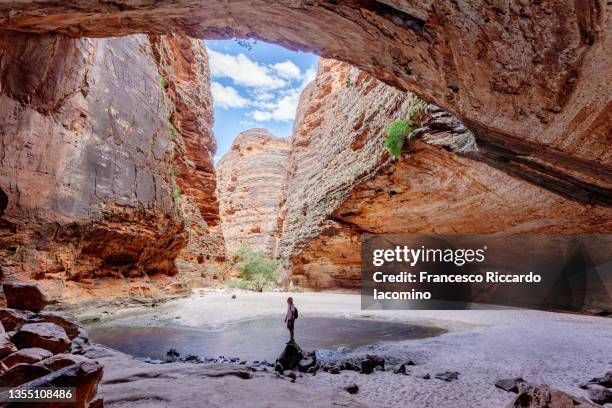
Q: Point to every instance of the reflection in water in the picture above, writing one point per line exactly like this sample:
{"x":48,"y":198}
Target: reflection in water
{"x":254,"y":339}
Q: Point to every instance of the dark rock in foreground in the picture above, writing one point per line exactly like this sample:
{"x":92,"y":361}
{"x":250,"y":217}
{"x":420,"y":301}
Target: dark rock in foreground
{"x":48,"y":336}
{"x":13,"y":319}
{"x":370,"y":363}
{"x":62,"y":319}
{"x":24,"y":296}
{"x":26,"y":356}
{"x":600,"y":394}
{"x":352,"y":388}
{"x":22,"y":373}
{"x":290,"y":358}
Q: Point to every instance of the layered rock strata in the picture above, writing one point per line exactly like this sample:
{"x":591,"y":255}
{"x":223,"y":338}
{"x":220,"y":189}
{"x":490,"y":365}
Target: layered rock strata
{"x":185,"y":77}
{"x":447,"y":180}
{"x":531,"y":77}
{"x":87,"y":164}
{"x":252,"y":178}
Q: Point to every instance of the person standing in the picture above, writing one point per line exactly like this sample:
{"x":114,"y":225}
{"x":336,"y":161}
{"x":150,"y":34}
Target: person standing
{"x":290,"y":317}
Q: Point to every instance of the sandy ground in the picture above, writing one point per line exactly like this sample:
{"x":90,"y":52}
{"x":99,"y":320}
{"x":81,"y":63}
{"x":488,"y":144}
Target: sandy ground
{"x":560,"y":350}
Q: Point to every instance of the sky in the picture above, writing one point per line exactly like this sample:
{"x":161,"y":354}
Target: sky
{"x":255,"y":84}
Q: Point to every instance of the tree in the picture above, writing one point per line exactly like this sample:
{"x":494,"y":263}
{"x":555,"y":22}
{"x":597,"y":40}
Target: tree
{"x":256,"y":267}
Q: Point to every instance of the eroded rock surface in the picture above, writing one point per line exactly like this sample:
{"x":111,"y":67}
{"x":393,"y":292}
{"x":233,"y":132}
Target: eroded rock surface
{"x":532,"y":76}
{"x":447,"y":180}
{"x":93,"y":142}
{"x":252,"y":178}
{"x":185,"y":77}
{"x":337,"y":139}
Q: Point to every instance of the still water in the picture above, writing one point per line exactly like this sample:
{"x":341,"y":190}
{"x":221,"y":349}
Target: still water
{"x":256,"y":339}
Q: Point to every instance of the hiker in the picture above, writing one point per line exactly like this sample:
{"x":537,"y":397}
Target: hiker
{"x":292,"y":314}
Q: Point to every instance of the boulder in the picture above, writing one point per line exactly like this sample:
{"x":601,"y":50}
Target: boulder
{"x":370,"y":363}
{"x":290,"y":358}
{"x":401,"y":369}
{"x":78,"y":345}
{"x":21,"y":374}
{"x":509,"y":384}
{"x":49,"y":336}
{"x":352,"y":388}
{"x":26,"y":356}
{"x":604,"y":381}
{"x":84,"y":377}
{"x":334,"y":370}
{"x":6,"y":346}
{"x":172,"y":355}
{"x":59,"y":361}
{"x":310,"y":360}
{"x":65,"y":320}
{"x":13,"y":319}
{"x":600,"y":394}
{"x":24,"y":296}
{"x":448,"y":376}
{"x":541,"y":396}
{"x":349,"y":365}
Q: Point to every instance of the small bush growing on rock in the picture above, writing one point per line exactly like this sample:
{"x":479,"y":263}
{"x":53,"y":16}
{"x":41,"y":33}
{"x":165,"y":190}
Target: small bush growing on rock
{"x":163,"y":83}
{"x":171,"y":132}
{"x":257,"y":267}
{"x":398,"y":131}
{"x":176,"y":194}
{"x":396,"y":134}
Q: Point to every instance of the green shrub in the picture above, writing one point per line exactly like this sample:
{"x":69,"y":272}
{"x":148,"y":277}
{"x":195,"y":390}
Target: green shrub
{"x":163,"y":83}
{"x":171,"y":132}
{"x":176,"y":194}
{"x":256,"y":267}
{"x":396,"y":134}
{"x":176,"y":171}
{"x":348,"y":83}
{"x":240,"y":284}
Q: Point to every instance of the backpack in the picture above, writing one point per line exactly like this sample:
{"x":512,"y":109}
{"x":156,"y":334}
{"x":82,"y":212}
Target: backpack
{"x":295,"y":314}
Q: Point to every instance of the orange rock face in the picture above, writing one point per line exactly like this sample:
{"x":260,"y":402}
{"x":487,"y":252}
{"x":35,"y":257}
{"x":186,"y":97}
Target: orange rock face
{"x":87,"y":165}
{"x":530,"y":75}
{"x":185,"y":76}
{"x":337,"y":140}
{"x":252,"y":178}
{"x":446,"y":181}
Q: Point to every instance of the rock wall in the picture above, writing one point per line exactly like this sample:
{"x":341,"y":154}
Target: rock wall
{"x":530,"y":77}
{"x":337,"y":140}
{"x":86,"y":166}
{"x":446,"y":181}
{"x":185,"y":77}
{"x":252,"y":178}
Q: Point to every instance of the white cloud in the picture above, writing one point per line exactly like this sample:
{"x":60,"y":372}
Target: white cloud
{"x":309,"y":75}
{"x":287,"y":70}
{"x":283,"y":109}
{"x":243,"y":71}
{"x":227,"y":97}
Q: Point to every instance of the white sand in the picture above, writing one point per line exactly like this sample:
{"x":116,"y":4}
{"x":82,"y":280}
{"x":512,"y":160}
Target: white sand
{"x":561,"y":350}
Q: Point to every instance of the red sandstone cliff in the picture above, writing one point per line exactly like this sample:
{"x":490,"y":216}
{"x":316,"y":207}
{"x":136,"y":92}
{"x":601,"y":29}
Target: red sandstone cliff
{"x":185,"y":77}
{"x":446,"y":181}
{"x":87,"y":165}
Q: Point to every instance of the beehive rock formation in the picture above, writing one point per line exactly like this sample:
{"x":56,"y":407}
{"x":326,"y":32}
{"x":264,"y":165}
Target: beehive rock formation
{"x":87,"y":163}
{"x":252,"y":177}
{"x":446,"y":181}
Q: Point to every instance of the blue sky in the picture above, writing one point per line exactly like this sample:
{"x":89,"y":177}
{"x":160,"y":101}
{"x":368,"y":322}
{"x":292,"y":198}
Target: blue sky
{"x":255,"y":86}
